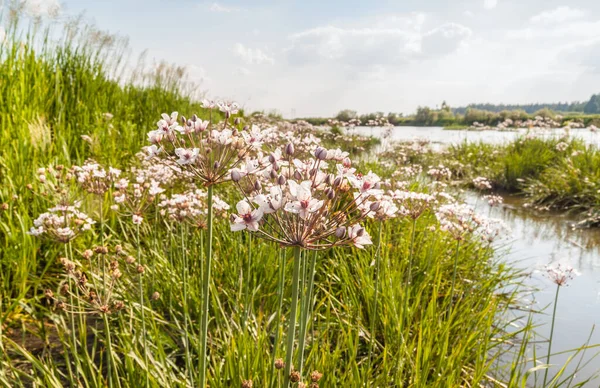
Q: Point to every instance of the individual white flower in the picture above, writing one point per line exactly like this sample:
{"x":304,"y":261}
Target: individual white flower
{"x":304,"y":203}
{"x":186,"y":156}
{"x":247,"y":218}
{"x":253,"y":137}
{"x":228,"y":107}
{"x":137,"y":219}
{"x":208,"y":104}
{"x":272,"y":202}
{"x":359,"y":236}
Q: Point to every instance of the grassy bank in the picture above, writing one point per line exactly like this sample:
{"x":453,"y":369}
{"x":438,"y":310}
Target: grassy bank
{"x":554,"y":173}
{"x":120,"y":301}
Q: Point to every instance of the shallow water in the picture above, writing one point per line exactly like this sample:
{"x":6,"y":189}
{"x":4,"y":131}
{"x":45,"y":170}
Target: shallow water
{"x":538,"y":239}
{"x":439,"y":135}
{"x":541,"y":238}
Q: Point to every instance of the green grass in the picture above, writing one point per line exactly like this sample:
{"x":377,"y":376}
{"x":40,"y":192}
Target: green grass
{"x":534,"y":167}
{"x":51,"y":93}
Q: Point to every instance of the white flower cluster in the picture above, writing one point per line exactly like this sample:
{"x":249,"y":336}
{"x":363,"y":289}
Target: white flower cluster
{"x":61,"y":223}
{"x":302,"y":203}
{"x":190,"y":207}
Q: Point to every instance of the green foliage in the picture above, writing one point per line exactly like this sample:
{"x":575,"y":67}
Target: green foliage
{"x":593,"y":105}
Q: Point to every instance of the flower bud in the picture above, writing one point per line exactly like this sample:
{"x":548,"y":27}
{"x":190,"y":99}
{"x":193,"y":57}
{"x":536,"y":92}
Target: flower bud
{"x":227,"y":114}
{"x":297,"y":175}
{"x":321,"y":153}
{"x":189,"y":123}
{"x":183,"y":120}
{"x":312,"y":172}
{"x":360,"y":232}
{"x":236,"y":176}
{"x":237,"y":121}
{"x":347,"y":162}
{"x":246,"y":128}
{"x":194,"y":118}
{"x":289,"y":149}
{"x":276,"y":166}
{"x":273,"y":174}
{"x":337,"y":181}
{"x":329,"y":179}
{"x":281,"y":180}
{"x":216,"y":165}
{"x":375,"y":206}
{"x":257,"y":186}
{"x":340,"y":232}
{"x":272,"y":159}
{"x":331,"y":194}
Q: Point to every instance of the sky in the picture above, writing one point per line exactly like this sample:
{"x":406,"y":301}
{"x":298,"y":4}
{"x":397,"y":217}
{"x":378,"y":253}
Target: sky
{"x":314,"y":58}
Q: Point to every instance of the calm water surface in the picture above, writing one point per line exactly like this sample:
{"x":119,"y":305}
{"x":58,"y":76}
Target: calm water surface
{"x":438,"y":135}
{"x":538,"y":239}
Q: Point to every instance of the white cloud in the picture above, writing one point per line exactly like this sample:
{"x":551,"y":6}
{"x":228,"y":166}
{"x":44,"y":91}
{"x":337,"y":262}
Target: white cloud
{"x":251,"y":56}
{"x":490,"y":4}
{"x":241,"y":71}
{"x":558,"y":15}
{"x":580,"y":29}
{"x":216,"y":7}
{"x":374,"y":46}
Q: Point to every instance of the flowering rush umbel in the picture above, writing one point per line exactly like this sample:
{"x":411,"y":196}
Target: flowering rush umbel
{"x":205,"y":150}
{"x":61,"y":223}
{"x":315,"y":203}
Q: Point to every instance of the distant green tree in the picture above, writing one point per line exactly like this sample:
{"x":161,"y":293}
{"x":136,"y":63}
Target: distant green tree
{"x":346,"y":115}
{"x":593,"y":105}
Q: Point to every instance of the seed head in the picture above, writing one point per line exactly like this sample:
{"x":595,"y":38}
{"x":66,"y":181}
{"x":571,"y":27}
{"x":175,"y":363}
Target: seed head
{"x":156,"y":295}
{"x":315,"y":376}
{"x":140,"y":269}
{"x":295,"y":376}
{"x":279,"y":364}
{"x":247,"y":384}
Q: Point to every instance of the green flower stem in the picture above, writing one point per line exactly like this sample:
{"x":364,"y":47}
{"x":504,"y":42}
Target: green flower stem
{"x":247,"y":288}
{"x":374,"y":315}
{"x":305,"y":313}
{"x":141,"y":292}
{"x":280,"y":283}
{"x":185,"y":277}
{"x":292,"y":321}
{"x":551,"y":334}
{"x":206,"y":288}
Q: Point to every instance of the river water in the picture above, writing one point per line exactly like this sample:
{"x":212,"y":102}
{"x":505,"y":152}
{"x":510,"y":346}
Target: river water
{"x":538,"y":239}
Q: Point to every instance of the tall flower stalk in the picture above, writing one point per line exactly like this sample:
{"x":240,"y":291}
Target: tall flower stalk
{"x":207,"y":152}
{"x":559,"y":275}
{"x":299,"y":203}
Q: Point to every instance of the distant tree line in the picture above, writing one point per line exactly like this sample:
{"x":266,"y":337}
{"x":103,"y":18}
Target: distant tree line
{"x":489,"y":114}
{"x":527,"y":108}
